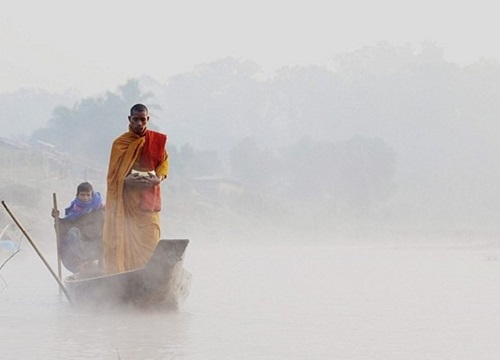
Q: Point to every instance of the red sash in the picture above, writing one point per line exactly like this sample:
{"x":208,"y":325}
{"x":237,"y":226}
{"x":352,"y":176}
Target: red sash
{"x":152,"y":155}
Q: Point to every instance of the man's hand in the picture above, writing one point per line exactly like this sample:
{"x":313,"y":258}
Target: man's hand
{"x":137,"y":180}
{"x":154,"y":180}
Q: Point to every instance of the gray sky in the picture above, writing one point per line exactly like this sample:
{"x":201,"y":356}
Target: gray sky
{"x":95,"y":46}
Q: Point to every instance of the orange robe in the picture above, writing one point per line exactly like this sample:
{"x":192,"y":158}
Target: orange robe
{"x":132,"y":221}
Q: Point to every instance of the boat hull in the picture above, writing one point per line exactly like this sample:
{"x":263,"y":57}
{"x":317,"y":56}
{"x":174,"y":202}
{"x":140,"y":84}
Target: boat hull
{"x":162,"y":282}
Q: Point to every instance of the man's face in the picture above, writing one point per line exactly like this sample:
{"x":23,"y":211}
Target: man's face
{"x":84,"y":196}
{"x":138,"y":121}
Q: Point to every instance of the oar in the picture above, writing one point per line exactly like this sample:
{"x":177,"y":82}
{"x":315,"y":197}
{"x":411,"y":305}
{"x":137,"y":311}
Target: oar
{"x":61,"y":285}
{"x":58,"y":238}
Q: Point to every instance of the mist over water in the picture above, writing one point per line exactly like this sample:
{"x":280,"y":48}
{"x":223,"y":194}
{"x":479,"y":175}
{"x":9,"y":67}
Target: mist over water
{"x":277,"y":300}
{"x":341,"y":195}
{"x":347,"y":215}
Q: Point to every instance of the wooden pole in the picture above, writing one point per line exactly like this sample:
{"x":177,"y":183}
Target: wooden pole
{"x":58,"y":237}
{"x":61,"y":285}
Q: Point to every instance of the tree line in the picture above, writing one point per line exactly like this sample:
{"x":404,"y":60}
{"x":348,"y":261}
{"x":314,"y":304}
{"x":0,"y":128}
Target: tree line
{"x":386,"y":126}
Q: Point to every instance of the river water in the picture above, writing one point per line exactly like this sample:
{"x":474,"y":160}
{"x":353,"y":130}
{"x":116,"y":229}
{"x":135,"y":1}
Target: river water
{"x":279,"y":301}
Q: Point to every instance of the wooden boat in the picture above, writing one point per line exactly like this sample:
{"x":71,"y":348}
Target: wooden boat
{"x":161,"y":282}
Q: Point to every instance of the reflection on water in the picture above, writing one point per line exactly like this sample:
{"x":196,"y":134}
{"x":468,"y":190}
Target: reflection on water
{"x":273,"y":302}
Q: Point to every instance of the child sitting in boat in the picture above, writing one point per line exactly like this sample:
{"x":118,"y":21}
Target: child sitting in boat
{"x":80,"y":231}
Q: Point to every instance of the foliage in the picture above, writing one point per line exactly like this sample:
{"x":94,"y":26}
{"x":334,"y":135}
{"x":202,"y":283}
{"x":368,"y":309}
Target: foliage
{"x":215,"y":106}
{"x":387,"y":125}
{"x":89,"y":127}
{"x":188,"y":163}
{"x":252,"y":166}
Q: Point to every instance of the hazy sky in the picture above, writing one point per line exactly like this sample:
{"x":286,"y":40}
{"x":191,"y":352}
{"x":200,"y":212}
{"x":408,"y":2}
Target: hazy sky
{"x":94,"y":46}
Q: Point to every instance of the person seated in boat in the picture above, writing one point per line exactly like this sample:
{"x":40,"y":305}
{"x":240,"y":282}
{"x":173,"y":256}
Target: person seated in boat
{"x":80,"y":231}
{"x":138,"y":164}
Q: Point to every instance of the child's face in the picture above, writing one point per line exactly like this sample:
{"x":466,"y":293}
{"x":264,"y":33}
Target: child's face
{"x":84,"y":196}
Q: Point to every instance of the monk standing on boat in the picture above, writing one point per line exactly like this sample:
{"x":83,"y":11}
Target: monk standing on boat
{"x":137,"y":165}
